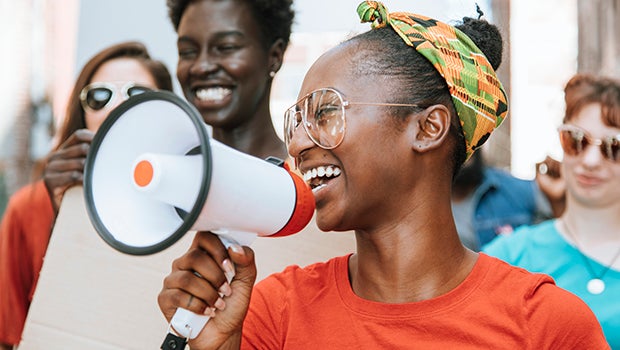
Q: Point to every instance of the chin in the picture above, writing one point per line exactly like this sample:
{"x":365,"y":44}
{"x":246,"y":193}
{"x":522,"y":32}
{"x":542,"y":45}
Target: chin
{"x":330,"y":224}
{"x":324,"y":224}
{"x":215,"y":118}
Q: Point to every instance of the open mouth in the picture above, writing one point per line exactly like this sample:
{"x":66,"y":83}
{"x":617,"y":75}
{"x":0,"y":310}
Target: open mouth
{"x":319,"y":176}
{"x":212,"y":93}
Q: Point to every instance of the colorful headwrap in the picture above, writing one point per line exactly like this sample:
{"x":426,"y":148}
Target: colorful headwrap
{"x":477,"y":93}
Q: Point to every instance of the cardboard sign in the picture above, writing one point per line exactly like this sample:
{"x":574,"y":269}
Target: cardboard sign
{"x":90,"y":296}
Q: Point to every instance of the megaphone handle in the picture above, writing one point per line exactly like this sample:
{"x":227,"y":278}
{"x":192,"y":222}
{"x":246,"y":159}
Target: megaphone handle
{"x":229,"y":238}
{"x":188,"y":324}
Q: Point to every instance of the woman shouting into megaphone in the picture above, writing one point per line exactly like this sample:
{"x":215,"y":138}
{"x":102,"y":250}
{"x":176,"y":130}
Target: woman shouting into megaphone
{"x":382,"y":124}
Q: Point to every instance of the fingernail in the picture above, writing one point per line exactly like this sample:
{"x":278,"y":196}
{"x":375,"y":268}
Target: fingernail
{"x":229,"y":270}
{"x":210,"y":312}
{"x":225,"y":289}
{"x":220,"y":304}
{"x":237,"y":249}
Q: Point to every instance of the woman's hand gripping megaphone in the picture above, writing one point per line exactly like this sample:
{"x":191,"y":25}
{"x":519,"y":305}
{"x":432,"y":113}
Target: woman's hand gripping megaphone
{"x":201,"y":285}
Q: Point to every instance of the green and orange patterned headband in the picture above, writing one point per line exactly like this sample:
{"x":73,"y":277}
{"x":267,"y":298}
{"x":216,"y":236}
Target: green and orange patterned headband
{"x":477,"y":93}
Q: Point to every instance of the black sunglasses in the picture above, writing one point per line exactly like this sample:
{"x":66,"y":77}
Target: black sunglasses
{"x":97,"y":96}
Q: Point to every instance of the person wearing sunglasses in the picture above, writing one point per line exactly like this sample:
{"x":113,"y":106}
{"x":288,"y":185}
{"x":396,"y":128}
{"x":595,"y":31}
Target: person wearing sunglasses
{"x":110,"y":77}
{"x":581,"y":249}
{"x":383,"y":122}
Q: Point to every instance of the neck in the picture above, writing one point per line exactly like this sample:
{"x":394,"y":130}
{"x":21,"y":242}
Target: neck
{"x":259,"y":141}
{"x":595,"y":235}
{"x":594,"y":225}
{"x":254,"y":144}
{"x":411,"y":261}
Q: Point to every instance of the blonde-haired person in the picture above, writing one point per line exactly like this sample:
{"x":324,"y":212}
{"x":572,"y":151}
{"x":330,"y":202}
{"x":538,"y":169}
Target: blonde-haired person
{"x":107,"y":79}
{"x":581,"y":249}
{"x":383,"y":110}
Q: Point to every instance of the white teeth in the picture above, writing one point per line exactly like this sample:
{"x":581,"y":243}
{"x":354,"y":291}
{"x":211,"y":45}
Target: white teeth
{"x":212,"y":93}
{"x":318,"y":187}
{"x":329,"y":171}
{"x":322,"y":171}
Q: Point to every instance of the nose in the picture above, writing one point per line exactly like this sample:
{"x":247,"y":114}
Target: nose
{"x":117,"y":101}
{"x":299,"y":142}
{"x":204,"y":64}
{"x":592,"y":156}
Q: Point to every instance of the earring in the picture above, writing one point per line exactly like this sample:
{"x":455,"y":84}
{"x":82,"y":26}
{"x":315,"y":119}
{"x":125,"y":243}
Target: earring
{"x":272,"y":74}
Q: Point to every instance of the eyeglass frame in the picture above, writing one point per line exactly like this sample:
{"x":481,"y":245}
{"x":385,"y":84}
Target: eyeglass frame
{"x":345,"y":103}
{"x":604,"y":144}
{"x":114,"y":88}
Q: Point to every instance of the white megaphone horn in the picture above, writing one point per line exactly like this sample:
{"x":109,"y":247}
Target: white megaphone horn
{"x":152,"y":174}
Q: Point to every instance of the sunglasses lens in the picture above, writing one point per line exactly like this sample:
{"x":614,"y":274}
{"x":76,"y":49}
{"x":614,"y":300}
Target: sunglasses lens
{"x":137,"y":90}
{"x":572,"y":141}
{"x":612,"y":148}
{"x":97,"y":98}
{"x":325,"y":118}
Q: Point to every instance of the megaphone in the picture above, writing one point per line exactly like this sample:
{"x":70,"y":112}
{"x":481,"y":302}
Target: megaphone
{"x":152,"y":174}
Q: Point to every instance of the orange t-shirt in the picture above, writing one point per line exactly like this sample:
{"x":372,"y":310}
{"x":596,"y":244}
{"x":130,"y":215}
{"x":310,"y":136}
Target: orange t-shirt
{"x":24,"y":235}
{"x":497,"y":306}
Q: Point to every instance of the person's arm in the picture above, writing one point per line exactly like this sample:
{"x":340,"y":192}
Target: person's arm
{"x":14,"y":287}
{"x":552,"y":184}
{"x":198,"y":283}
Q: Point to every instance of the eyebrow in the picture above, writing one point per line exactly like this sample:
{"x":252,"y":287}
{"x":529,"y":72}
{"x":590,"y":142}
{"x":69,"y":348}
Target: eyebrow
{"x":218,"y":35}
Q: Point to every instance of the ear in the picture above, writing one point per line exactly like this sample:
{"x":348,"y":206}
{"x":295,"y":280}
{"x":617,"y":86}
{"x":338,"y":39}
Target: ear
{"x":433,"y":128}
{"x":276,"y":55}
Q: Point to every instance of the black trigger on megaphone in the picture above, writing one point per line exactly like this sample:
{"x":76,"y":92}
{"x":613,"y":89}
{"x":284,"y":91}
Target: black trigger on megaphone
{"x":275,"y":160}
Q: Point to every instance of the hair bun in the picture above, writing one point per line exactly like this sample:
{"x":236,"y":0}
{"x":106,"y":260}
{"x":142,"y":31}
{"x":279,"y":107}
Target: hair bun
{"x":486,"y":36}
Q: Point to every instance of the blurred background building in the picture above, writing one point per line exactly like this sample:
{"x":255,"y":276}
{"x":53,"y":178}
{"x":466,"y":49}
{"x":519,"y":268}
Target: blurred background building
{"x":44,"y":44}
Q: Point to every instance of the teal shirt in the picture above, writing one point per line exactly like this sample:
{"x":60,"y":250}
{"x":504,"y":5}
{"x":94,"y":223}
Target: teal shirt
{"x":541,"y":248}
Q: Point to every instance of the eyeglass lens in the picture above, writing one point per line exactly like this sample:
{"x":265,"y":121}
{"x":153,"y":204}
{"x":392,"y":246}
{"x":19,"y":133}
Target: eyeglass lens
{"x":325,"y":118}
{"x":574,"y":141}
{"x":322,"y":115}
